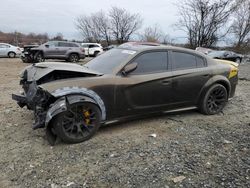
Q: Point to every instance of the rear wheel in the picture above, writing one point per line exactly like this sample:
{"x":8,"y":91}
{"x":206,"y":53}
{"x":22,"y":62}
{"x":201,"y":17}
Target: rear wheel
{"x":79,"y":123}
{"x":214,"y":100}
{"x":96,"y":53}
{"x":11,"y":54}
{"x":74,"y":58}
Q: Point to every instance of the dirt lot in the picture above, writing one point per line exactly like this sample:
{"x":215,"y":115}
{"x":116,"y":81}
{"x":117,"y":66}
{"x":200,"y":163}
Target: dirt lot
{"x":189,"y":150}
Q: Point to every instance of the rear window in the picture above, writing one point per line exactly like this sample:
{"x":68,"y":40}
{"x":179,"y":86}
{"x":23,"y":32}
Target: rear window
{"x":183,"y":60}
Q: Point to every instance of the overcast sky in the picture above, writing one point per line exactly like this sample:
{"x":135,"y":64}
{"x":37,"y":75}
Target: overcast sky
{"x":53,"y":16}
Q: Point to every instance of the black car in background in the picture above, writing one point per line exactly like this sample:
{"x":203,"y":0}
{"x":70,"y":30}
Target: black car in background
{"x":226,"y":55}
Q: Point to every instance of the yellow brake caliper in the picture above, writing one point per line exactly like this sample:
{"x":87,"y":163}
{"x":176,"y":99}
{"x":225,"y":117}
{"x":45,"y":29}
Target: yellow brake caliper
{"x":86,"y":117}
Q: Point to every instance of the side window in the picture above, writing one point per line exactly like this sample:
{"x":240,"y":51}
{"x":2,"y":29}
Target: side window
{"x":53,"y":44}
{"x":85,"y":45}
{"x":151,"y":62}
{"x":91,"y":46}
{"x":73,"y":45}
{"x":62,"y":44}
{"x":183,"y":61}
{"x":4,"y":46}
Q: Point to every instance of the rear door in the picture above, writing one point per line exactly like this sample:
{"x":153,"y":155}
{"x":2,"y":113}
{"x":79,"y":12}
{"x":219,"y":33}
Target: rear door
{"x":63,"y":48}
{"x":148,"y":88}
{"x":190,"y":73}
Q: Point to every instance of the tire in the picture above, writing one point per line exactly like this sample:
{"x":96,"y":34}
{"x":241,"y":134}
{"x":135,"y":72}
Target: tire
{"x":96,"y":53}
{"x":39,"y":57}
{"x":74,"y":58}
{"x":79,"y":123}
{"x":237,"y":60}
{"x":214,"y":100}
{"x":11,"y":54}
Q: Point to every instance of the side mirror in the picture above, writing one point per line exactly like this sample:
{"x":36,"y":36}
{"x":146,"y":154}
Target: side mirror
{"x":129,"y":68}
{"x":46,"y":45}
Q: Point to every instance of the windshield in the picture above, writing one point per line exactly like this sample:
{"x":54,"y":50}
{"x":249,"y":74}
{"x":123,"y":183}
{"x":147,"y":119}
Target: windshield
{"x":108,"y":61}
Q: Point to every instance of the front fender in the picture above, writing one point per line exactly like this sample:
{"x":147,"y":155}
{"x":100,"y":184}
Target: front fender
{"x":61,"y":105}
{"x":73,"y":95}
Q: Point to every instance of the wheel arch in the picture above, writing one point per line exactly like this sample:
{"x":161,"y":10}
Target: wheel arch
{"x":218,"y":79}
{"x":70,"y":53}
{"x":11,"y":52}
{"x":73,"y":95}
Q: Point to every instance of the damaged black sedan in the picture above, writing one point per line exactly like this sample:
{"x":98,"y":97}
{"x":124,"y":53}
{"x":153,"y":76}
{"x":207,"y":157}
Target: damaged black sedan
{"x":72,"y":101}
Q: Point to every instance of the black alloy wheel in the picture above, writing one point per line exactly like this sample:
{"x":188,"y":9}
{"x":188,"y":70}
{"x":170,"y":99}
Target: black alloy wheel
{"x":214,"y":100}
{"x":79,"y":123}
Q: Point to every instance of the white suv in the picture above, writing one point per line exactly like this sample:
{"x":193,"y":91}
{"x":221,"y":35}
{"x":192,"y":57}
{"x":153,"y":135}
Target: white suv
{"x":92,"y":49}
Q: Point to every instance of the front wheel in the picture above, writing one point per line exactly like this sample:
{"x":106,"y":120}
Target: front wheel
{"x":79,"y":123}
{"x":214,"y":100}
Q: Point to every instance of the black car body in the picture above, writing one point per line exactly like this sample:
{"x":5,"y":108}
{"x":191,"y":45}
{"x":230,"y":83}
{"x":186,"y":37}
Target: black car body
{"x":226,"y":55}
{"x":72,"y":101}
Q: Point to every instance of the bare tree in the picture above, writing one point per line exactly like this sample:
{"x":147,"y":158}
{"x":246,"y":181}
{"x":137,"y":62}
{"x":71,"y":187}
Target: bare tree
{"x":202,"y":20}
{"x":241,"y":24}
{"x":152,"y":34}
{"x":123,"y":24}
{"x":86,"y":27}
{"x":101,"y":24}
{"x":59,"y":36}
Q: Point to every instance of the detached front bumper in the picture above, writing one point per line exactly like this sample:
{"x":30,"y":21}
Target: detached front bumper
{"x":36,"y":99}
{"x":21,"y":100}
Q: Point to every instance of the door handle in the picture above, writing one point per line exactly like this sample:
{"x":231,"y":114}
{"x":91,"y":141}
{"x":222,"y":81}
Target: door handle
{"x":206,"y":75}
{"x":166,"y":82}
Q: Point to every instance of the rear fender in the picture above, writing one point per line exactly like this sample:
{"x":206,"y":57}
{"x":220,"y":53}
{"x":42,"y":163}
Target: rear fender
{"x":215,"y":79}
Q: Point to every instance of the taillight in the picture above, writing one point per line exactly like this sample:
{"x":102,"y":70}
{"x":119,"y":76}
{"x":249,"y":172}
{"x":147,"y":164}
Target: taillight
{"x":82,"y":49}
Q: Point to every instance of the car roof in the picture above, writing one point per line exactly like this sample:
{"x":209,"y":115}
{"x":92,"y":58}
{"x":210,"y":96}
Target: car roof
{"x":145,"y":46}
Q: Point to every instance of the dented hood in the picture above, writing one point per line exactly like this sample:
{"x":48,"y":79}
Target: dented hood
{"x":55,"y":71}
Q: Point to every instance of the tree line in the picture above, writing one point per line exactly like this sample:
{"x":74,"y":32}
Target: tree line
{"x":21,"y":39}
{"x":205,"y":22}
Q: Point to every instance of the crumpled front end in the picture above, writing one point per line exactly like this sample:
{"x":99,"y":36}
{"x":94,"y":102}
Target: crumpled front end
{"x":36,"y":99}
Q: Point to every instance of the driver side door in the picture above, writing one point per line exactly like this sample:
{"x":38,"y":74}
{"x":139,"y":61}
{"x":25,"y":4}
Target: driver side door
{"x":148,"y":87}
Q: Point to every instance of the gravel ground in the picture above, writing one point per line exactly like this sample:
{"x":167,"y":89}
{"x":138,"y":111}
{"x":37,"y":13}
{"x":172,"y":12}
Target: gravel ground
{"x":188,"y":149}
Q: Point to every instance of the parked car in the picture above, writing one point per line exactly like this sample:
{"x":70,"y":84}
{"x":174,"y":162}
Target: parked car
{"x":72,"y":101}
{"x":204,"y":50}
{"x":226,"y":55}
{"x":8,"y":50}
{"x":69,"y":51}
{"x":92,"y":49}
{"x":27,"y":55}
